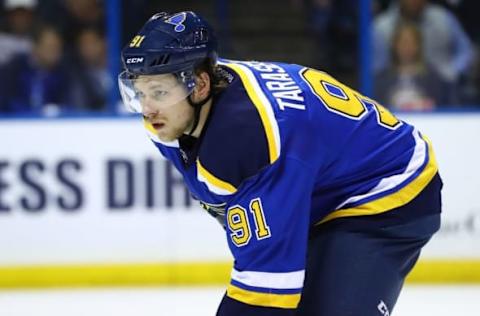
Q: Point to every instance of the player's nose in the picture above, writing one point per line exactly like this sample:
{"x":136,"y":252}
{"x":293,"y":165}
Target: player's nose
{"x":148,"y":109}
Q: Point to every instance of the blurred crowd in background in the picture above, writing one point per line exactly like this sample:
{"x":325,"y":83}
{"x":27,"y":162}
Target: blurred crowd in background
{"x":53,"y":57}
{"x":53,"y":53}
{"x":424,"y":54}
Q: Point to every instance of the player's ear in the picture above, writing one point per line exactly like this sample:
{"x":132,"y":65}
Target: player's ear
{"x":202,"y":87}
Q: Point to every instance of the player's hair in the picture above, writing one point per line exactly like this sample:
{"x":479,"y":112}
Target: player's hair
{"x":218,"y":78}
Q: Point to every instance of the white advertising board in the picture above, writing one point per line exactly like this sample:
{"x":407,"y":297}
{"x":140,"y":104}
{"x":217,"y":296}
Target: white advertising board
{"x":456,"y":141}
{"x":76,"y":191}
{"x":95,"y":191}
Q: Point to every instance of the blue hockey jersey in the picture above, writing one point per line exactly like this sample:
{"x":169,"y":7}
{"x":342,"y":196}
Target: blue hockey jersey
{"x":286,"y":148}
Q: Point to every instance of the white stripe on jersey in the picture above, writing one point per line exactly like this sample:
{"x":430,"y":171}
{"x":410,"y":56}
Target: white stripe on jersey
{"x":270,"y":280}
{"x":418,"y":159}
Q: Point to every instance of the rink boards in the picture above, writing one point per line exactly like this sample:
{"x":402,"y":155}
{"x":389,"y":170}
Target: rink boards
{"x":90,"y":202}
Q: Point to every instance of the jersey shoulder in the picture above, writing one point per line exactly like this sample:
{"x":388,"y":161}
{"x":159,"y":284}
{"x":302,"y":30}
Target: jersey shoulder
{"x":235,"y":145}
{"x":280,"y":95}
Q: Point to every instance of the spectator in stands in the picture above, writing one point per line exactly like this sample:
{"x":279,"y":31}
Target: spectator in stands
{"x":467,"y":12}
{"x":70,"y":17}
{"x":36,"y":83}
{"x":409,"y":83}
{"x":15,"y":36}
{"x":92,"y":80}
{"x":446,"y":46}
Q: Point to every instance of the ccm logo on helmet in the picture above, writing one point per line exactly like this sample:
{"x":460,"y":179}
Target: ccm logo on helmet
{"x":134,"y":60}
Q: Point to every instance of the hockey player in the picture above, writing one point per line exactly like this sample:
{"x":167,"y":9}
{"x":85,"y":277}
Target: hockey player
{"x":326,"y":198}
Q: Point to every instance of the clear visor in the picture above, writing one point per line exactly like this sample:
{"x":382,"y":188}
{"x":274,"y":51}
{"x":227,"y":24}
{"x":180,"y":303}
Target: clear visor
{"x":153,"y":92}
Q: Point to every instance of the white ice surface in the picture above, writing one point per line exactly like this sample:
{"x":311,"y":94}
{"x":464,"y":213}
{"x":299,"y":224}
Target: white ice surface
{"x":414,"y":301}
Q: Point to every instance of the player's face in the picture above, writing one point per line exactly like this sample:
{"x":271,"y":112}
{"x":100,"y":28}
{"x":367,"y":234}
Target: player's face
{"x":164,"y":105}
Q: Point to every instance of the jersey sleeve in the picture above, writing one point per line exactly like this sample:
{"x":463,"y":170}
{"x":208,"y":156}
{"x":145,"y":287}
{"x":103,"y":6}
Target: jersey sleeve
{"x":267,"y":224}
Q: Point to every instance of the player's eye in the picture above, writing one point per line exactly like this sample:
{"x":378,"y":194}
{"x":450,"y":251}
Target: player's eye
{"x":159,"y":94}
{"x":140,"y":95}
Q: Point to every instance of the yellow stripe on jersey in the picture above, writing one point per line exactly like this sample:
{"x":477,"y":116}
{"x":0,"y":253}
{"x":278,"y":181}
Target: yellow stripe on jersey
{"x":149,"y":127}
{"x":263,"y":299}
{"x":152,"y":133}
{"x":213,"y":182}
{"x":268,"y":123}
{"x":394,"y":200}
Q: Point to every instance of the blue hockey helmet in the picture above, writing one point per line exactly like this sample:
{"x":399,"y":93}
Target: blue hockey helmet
{"x":166,"y":44}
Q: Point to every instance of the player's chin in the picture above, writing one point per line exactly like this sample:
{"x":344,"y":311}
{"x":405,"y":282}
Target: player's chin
{"x":168,"y":136}
{"x":166,"y":139}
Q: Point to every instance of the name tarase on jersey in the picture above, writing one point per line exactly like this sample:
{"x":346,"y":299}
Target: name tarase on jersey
{"x":283,"y":88}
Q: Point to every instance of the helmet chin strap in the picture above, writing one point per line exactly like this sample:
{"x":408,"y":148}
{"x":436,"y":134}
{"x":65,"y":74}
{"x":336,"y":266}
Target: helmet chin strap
{"x":197,"y":107}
